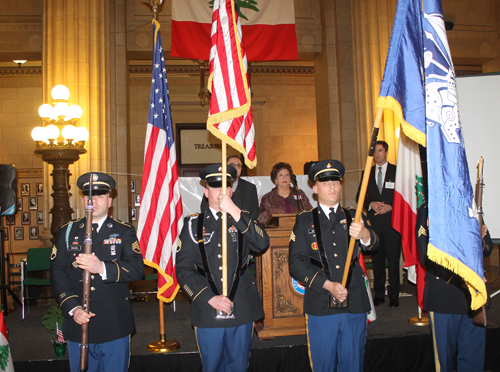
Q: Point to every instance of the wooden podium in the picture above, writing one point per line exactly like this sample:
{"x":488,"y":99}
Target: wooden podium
{"x":281,"y":295}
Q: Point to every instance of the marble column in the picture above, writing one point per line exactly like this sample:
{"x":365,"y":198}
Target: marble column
{"x":371,"y":26}
{"x":335,"y":95}
{"x":83,"y":48}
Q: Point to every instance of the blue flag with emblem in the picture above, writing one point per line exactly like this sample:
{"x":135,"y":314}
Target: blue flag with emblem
{"x":419,"y":86}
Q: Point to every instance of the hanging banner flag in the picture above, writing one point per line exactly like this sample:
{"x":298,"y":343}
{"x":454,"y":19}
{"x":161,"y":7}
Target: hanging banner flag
{"x":419,"y":86}
{"x":267,"y":25}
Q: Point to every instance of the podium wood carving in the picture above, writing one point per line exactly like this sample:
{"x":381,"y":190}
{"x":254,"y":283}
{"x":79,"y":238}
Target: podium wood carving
{"x":281,"y":295}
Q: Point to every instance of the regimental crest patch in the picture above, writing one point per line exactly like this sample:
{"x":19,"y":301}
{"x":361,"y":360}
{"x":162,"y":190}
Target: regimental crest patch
{"x":314,"y":246}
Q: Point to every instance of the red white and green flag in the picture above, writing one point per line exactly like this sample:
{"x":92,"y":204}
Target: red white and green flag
{"x":6,"y":362}
{"x":268,"y":27}
{"x":404,"y":208}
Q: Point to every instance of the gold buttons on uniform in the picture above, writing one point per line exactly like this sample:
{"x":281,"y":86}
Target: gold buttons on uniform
{"x":334,"y":244}
{"x":92,"y":277}
{"x":335,"y":254}
{"x":220,"y":267}
{"x":337,"y":267}
{"x":218,"y":245}
{"x":220,"y":256}
{"x":92,"y":288}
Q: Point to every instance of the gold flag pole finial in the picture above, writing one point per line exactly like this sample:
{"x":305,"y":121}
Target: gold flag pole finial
{"x":154,"y":6}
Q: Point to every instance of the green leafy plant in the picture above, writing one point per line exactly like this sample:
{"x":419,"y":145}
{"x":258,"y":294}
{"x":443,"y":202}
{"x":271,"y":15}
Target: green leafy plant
{"x":249,"y":4}
{"x":54,"y":315}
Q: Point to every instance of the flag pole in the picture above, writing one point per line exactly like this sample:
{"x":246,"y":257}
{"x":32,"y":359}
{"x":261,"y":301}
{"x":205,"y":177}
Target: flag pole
{"x":163,"y":345}
{"x":224,"y":221}
{"x":362,"y":191}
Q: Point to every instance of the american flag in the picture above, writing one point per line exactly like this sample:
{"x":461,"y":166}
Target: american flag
{"x":160,"y":219}
{"x":60,"y":336}
{"x":230,"y":117}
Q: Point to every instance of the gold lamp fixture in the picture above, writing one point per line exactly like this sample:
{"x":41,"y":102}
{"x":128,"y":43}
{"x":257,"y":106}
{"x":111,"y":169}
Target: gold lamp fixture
{"x":60,"y":142}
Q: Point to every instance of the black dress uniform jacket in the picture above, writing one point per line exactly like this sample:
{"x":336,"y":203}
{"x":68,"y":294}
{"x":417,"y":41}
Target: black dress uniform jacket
{"x":445,"y":291}
{"x":304,"y":254}
{"x":116,"y":245}
{"x":245,"y":197}
{"x":247,"y":302}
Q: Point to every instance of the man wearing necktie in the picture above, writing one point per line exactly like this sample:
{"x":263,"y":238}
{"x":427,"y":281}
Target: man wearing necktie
{"x":224,"y":343}
{"x":378,"y":203}
{"x":115,"y":260}
{"x":335,"y":315}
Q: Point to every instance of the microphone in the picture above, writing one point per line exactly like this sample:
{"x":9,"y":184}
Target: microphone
{"x":293,"y":177}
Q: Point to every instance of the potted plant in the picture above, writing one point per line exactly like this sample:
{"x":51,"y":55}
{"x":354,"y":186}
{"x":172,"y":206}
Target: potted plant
{"x":52,"y":321}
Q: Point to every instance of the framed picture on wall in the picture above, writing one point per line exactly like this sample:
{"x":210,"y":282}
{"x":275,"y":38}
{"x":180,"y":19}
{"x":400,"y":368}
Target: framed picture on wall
{"x":137,"y":200}
{"x":134,"y":214}
{"x":18,"y":233}
{"x":25,"y":189}
{"x":132,"y":186}
{"x":25,"y":218}
{"x":33,"y":232}
{"x":5,"y":233}
{"x":39,"y":188}
{"x":196,"y":148}
{"x":19,"y":204}
{"x":34,"y":203}
{"x":10,"y":220}
{"x":39,"y":218}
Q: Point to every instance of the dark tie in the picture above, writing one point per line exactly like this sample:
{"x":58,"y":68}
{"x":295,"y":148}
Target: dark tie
{"x":219,"y":215}
{"x":332,"y":216}
{"x":95,"y":226}
{"x":380,"y":182}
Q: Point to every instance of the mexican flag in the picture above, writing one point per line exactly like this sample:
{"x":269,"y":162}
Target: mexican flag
{"x":6,"y":363}
{"x":404,"y":209}
{"x":268,"y":28}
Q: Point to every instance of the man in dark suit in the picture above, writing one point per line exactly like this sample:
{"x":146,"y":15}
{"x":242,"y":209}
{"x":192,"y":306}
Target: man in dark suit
{"x":244,"y":192}
{"x":378,"y":203}
{"x":116,"y":260}
{"x":318,"y":252}
{"x":224,"y":343}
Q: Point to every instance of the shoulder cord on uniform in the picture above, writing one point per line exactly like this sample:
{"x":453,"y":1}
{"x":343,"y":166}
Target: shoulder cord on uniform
{"x":68,"y":231}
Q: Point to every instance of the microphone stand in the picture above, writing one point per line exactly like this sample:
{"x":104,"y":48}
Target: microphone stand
{"x":300,"y":206}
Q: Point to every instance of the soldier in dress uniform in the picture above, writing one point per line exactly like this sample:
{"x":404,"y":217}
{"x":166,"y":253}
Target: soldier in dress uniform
{"x":335,"y":315}
{"x":224,"y":344}
{"x":116,"y":260}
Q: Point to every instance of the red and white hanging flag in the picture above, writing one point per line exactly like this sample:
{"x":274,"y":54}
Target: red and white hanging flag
{"x":230,"y":117}
{"x":268,"y":27}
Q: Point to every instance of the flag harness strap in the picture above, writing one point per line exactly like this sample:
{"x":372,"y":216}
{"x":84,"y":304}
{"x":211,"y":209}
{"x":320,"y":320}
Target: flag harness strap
{"x":323,"y":263}
{"x":207,"y":273}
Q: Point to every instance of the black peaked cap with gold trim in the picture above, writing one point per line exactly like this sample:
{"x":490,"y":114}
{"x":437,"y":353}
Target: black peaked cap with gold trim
{"x":101,"y":183}
{"x":212,"y":175}
{"x":327,"y":170}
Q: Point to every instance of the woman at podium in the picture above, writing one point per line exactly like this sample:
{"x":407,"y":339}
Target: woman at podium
{"x":285,"y":197}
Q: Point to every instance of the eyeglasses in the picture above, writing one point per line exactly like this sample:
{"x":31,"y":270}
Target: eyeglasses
{"x":237,"y":166}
